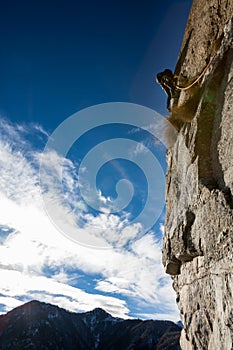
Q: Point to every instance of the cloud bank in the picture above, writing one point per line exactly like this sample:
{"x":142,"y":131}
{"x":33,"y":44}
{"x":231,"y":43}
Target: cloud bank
{"x":38,"y":262}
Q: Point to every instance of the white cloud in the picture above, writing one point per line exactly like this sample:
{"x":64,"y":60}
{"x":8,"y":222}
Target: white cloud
{"x":159,"y":316}
{"x":18,"y":285}
{"x":140,"y":149}
{"x":41,"y":130}
{"x":133,"y":269}
{"x":9,"y":303}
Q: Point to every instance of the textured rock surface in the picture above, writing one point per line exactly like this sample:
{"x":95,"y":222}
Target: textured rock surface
{"x":199,"y":223}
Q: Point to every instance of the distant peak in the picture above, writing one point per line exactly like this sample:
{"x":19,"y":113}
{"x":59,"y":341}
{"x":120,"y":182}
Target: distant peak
{"x":36,"y":303}
{"x":33,"y":305}
{"x":99,"y":313}
{"x":99,"y":310}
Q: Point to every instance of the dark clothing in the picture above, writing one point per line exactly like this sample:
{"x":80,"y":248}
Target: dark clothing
{"x":166,"y":80}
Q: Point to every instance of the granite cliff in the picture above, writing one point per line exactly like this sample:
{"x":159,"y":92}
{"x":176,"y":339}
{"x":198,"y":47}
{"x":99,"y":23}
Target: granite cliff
{"x":198,"y":238}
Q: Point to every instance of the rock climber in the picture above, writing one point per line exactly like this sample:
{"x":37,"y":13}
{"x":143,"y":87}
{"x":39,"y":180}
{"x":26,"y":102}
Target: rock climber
{"x":167,"y":81}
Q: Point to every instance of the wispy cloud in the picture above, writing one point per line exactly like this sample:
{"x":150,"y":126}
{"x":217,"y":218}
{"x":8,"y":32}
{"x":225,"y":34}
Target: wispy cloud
{"x":31,"y":242}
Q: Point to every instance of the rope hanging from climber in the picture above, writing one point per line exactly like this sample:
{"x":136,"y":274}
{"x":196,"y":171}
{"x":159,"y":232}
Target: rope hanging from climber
{"x":168,"y":80}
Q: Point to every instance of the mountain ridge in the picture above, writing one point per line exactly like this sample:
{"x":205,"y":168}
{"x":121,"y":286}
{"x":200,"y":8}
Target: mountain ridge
{"x":37,"y":325}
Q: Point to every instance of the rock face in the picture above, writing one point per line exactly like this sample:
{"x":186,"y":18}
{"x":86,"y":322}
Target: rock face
{"x":37,"y":326}
{"x":198,"y":249}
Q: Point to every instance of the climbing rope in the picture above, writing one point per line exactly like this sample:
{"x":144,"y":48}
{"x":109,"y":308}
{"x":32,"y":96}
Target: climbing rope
{"x":217,"y":46}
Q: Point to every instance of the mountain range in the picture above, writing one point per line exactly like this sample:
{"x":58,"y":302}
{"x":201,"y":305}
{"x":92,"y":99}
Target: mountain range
{"x":41,"y":326}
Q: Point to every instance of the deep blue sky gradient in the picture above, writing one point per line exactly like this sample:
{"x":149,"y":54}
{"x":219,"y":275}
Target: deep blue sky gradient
{"x":58,"y":57}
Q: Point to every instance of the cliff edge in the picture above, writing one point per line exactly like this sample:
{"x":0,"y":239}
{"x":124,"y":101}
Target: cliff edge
{"x":197,"y":250}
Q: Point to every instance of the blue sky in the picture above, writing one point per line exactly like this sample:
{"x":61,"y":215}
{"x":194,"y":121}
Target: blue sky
{"x":58,"y":58}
